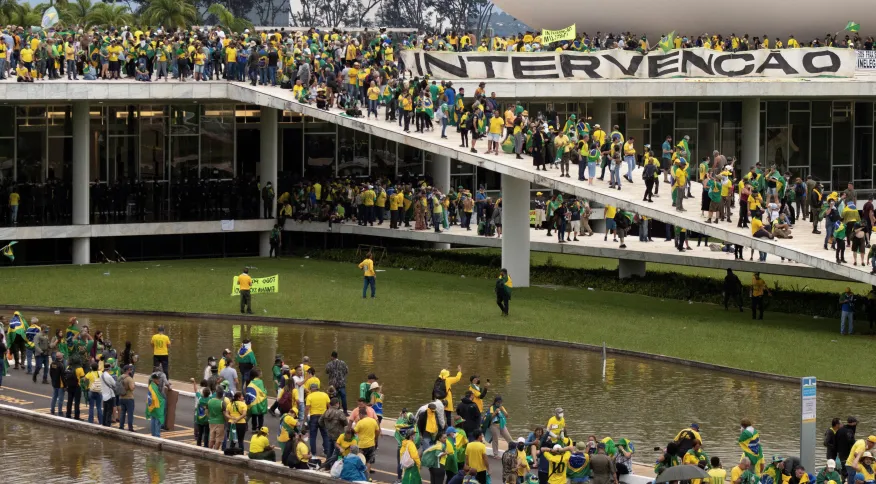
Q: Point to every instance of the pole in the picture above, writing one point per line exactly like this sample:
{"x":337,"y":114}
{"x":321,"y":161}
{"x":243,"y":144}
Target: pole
{"x":807,"y":423}
{"x":604,"y":359}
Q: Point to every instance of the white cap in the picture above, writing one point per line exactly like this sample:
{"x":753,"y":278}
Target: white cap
{"x":557,"y":447}
{"x":375,"y":385}
{"x":521,"y":440}
{"x":831,"y":463}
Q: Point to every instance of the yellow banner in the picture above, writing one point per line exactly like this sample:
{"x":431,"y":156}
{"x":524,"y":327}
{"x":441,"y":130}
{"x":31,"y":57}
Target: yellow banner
{"x":260,"y":285}
{"x":548,"y":36}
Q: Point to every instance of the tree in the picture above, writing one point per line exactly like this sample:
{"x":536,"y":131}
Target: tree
{"x":169,"y":13}
{"x":460,"y":15}
{"x":227,"y":19}
{"x":267,"y":10}
{"x":9,"y":9}
{"x":333,"y":13}
{"x":27,"y":15}
{"x":109,"y":14}
{"x":76,"y":13}
{"x":415,"y":14}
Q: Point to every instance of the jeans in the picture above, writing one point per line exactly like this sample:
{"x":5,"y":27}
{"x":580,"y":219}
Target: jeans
{"x":615,"y":175}
{"x":3,"y":69}
{"x":850,"y":317}
{"x":231,"y":71}
{"x":108,"y":407}
{"x":631,"y":165}
{"x":581,"y":166}
{"x":14,"y":214}
{"x":342,"y":394}
{"x":369,"y":281}
{"x":95,"y":400}
{"x":57,"y":396}
{"x":42,"y":361}
{"x":327,"y":445}
{"x":155,"y":427}
{"x":71,"y":69}
{"x":372,"y":107}
{"x":828,"y":231}
{"x":29,"y":359}
{"x":643,"y":231}
{"x":851,"y":472}
{"x":126,"y":410}
{"x":352,"y":92}
{"x":443,"y":127}
{"x":272,"y":75}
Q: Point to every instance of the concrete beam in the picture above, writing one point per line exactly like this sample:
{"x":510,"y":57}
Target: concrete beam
{"x":131,"y":229}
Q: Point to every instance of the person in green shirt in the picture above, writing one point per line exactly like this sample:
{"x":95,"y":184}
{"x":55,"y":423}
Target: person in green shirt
{"x":216,"y":418}
{"x":714,"y":188}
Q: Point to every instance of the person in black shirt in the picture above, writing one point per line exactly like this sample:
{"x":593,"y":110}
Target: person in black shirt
{"x":732,"y":289}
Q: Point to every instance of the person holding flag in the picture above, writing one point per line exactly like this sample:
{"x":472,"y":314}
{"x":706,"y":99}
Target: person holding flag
{"x":749,"y":441}
{"x":16,"y":339}
{"x":155,"y":403}
{"x":72,"y":331}
{"x":256,"y":399}
{"x":246,"y":361}
{"x":7,"y":251}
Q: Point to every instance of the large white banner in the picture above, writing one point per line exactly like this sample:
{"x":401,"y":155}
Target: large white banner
{"x":622,"y":64}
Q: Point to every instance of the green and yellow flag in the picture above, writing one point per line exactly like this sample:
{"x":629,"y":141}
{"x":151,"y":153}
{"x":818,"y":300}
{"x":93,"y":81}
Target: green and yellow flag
{"x":17,"y":329}
{"x":853,"y":27}
{"x":667,"y":43}
{"x":7,"y":250}
{"x":155,"y":403}
{"x":256,"y":397}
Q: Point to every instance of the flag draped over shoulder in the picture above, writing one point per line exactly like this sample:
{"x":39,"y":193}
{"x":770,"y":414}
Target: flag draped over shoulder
{"x":245,"y":355}
{"x":71,"y":334}
{"x":749,"y":441}
{"x":17,"y":328}
{"x":256,"y":397}
{"x":155,"y":403}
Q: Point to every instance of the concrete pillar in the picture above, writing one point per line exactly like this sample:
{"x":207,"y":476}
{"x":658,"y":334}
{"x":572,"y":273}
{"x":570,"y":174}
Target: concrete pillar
{"x":515,"y":229}
{"x":268,"y":167}
{"x":441,"y":178}
{"x":750,"y":133}
{"x":80,"y":188}
{"x":627,"y":268}
{"x":602,"y":114}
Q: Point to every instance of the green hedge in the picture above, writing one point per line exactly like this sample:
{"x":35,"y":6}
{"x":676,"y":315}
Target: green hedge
{"x":667,"y":285}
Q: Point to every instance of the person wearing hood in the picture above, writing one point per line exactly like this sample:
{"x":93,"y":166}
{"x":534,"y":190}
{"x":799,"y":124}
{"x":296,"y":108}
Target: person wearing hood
{"x":446,"y":395}
{"x":829,"y":473}
{"x":470,"y":412}
{"x":430,"y":423}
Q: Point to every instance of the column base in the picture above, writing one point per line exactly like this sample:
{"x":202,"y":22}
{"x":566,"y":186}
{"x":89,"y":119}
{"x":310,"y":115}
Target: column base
{"x":629,"y":268}
{"x":82,"y":250}
{"x":264,"y":244}
{"x":440,"y":245}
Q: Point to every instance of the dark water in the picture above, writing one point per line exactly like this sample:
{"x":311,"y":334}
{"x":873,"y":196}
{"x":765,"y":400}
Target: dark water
{"x":645,"y":401}
{"x":38,"y":453}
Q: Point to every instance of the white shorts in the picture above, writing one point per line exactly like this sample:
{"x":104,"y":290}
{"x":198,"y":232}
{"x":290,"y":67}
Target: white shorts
{"x":494,"y":137}
{"x":576,"y":225}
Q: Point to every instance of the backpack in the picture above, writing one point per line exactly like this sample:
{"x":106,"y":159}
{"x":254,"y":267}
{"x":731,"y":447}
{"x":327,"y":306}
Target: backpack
{"x":799,"y":190}
{"x":96,"y":385}
{"x":118,"y":388}
{"x":69,"y":378}
{"x":439,"y":391}
{"x":285,"y":401}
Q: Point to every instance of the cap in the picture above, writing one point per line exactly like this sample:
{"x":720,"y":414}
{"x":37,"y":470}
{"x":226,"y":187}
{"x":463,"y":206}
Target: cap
{"x":314,"y":385}
{"x":538,"y":194}
{"x":521,"y":440}
{"x":695,"y":426}
{"x":264,"y":430}
{"x":451,"y":430}
{"x":600,"y":445}
{"x":872,"y":438}
{"x":581,"y":445}
{"x":373,"y":385}
{"x":777,"y":458}
{"x":557,"y":447}
{"x":831,"y":463}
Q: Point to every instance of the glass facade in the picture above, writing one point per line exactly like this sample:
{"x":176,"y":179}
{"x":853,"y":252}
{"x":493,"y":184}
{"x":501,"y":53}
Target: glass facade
{"x":194,"y":161}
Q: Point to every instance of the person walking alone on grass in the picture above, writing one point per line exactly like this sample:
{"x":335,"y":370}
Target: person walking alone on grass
{"x":245,"y":282}
{"x":367,"y":267}
{"x":758,"y":286}
{"x":503,"y":291}
{"x":160,"y":345}
{"x":732,"y":289}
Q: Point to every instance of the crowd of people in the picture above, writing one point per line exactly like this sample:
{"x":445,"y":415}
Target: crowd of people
{"x":318,"y":427}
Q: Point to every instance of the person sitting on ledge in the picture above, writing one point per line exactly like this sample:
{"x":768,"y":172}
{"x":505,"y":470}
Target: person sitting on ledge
{"x":260,"y":447}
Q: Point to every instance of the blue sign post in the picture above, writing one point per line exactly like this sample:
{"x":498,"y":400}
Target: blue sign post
{"x":807,"y":423}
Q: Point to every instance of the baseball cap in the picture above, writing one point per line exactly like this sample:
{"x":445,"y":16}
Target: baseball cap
{"x":264,"y":430}
{"x":451,"y":430}
{"x":831,"y":463}
{"x":872,"y":438}
{"x":695,"y":426}
{"x":521,"y":440}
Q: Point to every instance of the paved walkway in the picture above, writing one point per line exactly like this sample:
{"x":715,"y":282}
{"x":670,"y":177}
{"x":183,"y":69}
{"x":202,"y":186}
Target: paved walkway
{"x":659,"y":250}
{"x":19,"y":390}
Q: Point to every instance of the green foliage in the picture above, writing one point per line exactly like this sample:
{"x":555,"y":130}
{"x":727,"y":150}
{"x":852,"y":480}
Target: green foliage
{"x":663,"y":285}
{"x":227,"y":19}
{"x":169,"y":13}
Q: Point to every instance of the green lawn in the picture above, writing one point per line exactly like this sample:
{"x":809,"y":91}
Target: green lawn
{"x":787,"y":344}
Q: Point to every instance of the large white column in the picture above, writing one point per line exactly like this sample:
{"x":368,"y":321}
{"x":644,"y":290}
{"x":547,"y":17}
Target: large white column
{"x":268,"y":167}
{"x":441,"y":178}
{"x":750,"y":133}
{"x":602,"y":114}
{"x":80,"y":189}
{"x":515,"y":229}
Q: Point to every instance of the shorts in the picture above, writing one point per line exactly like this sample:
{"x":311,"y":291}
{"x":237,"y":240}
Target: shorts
{"x":771,"y":190}
{"x":576,"y":225}
{"x":494,"y":137}
{"x":714,"y":206}
{"x":369,"y":454}
{"x":610,"y":224}
{"x":509,"y":130}
{"x":199,"y":68}
{"x":664,"y":164}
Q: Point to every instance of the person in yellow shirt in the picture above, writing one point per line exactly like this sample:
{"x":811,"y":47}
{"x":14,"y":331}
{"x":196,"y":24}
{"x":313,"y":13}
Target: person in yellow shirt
{"x":160,"y":354}
{"x":476,"y":456}
{"x":367,"y":267}
{"x":245,"y":282}
{"x":558,"y":462}
{"x":449,"y":381}
{"x":368,"y":431}
{"x":494,"y":138}
{"x":368,"y":198}
{"x":373,"y":96}
{"x":353,"y":79}
{"x":14,"y":199}
{"x":380,"y":204}
{"x":630,"y":158}
{"x":70,"y":61}
{"x":679,"y":184}
{"x":200,"y":57}
{"x":556,"y":425}
{"x":316,"y":404}
{"x":792,"y":43}
{"x":758,"y":286}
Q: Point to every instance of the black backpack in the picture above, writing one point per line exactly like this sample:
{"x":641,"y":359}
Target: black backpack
{"x":70,"y":380}
{"x":439,"y":392}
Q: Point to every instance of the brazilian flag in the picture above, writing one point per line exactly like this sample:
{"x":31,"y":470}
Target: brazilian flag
{"x":749,"y":441}
{"x":245,"y":355}
{"x":71,"y":334}
{"x":508,"y":145}
{"x":256,"y":397}
{"x":17,"y":329}
{"x":155,"y":403}
{"x":7,"y":250}
{"x":610,"y":447}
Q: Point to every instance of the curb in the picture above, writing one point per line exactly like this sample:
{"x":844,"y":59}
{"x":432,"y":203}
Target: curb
{"x":470,"y":334}
{"x":159,"y":444}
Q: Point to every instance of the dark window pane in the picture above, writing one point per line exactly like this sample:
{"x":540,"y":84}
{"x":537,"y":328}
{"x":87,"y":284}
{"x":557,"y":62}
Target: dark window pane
{"x":382,"y":158}
{"x":799,"y":144}
{"x":777,"y":114}
{"x":122,"y":119}
{"x":731,"y":142}
{"x":685,"y":115}
{"x":410,"y":161}
{"x":184,"y":119}
{"x":60,"y":158}
{"x":820,"y":142}
{"x":184,"y":157}
{"x":863,"y":114}
{"x":799,"y":106}
{"x":710,"y":106}
{"x":7,"y":159}
{"x":153,"y":149}
{"x":731,"y":114}
{"x":863,"y":153}
{"x":821,"y":113}
{"x":319,"y":156}
{"x":665,"y":107}
{"x":58,"y":119}
{"x":31,"y":152}
{"x":709,"y":135}
{"x":842,"y":138}
{"x":777,"y":148}
{"x":293,"y":146}
{"x":661,"y":127}
{"x":7,"y":120}
{"x":217,"y":142}
{"x":840,"y":177}
{"x":249,"y":152}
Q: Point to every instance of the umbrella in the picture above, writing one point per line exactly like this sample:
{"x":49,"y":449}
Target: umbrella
{"x":681,"y":473}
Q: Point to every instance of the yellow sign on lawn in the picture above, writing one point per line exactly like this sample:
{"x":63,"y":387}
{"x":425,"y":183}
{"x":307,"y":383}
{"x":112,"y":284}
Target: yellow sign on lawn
{"x":260,"y":285}
{"x":548,"y":36}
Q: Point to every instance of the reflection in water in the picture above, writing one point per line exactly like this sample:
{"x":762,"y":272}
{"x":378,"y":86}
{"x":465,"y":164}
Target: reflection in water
{"x":40,"y":453}
{"x":642,"y":400}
